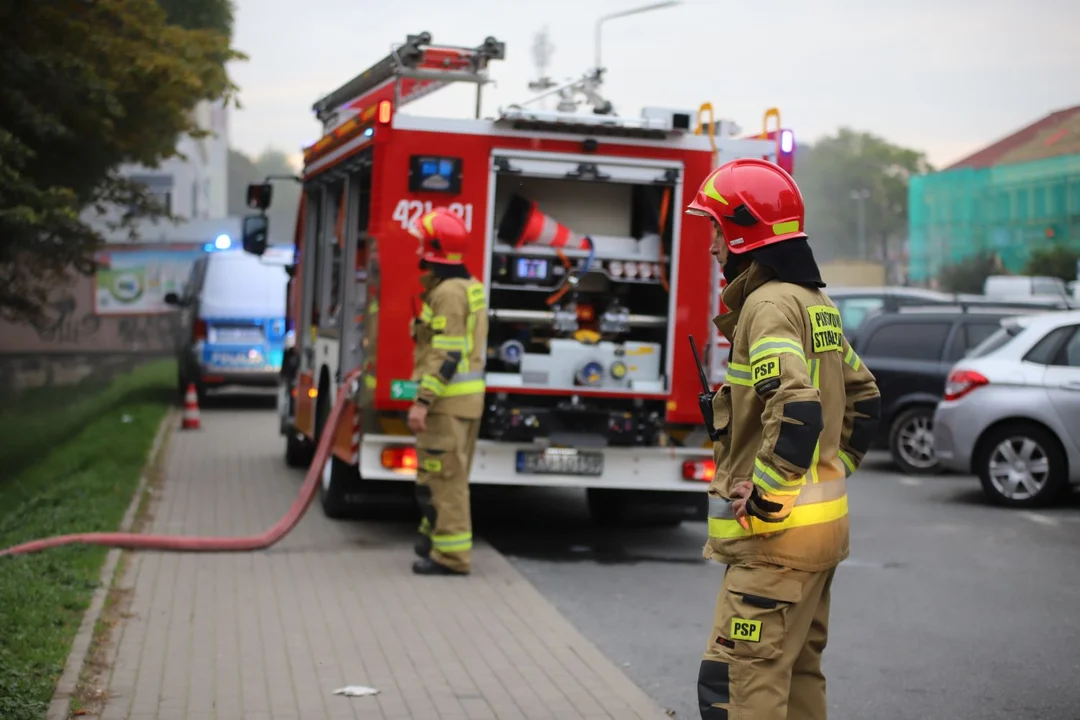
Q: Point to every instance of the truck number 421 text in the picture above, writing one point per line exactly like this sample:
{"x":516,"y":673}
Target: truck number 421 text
{"x":407,"y":212}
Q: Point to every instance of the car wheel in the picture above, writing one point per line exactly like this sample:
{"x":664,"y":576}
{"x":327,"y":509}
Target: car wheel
{"x":1021,"y":466}
{"x":298,"y":449}
{"x":911,"y":441}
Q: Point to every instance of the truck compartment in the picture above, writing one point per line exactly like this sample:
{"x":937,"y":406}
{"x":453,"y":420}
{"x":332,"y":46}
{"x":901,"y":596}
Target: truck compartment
{"x":580,"y":289}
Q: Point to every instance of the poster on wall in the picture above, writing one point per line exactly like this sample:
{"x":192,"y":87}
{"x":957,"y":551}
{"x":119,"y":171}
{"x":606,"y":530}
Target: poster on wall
{"x":136,"y":282}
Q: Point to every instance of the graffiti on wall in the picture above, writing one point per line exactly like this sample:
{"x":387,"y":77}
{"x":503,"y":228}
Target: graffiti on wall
{"x":67,"y":323}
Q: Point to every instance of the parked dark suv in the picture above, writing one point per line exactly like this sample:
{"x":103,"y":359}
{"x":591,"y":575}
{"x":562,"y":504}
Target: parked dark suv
{"x":910,"y":353}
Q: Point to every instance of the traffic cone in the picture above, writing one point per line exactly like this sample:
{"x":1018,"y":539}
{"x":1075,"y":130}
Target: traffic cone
{"x":191,"y":409}
{"x":524,"y":223}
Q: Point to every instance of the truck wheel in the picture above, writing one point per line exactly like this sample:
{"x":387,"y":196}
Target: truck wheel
{"x":1021,"y":466}
{"x":337,"y":479}
{"x":298,"y":449}
{"x":911,"y":441}
{"x":645,"y":508}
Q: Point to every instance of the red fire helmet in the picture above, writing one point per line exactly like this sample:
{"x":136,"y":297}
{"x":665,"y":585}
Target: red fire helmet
{"x":443,"y":236}
{"x":755,"y":203}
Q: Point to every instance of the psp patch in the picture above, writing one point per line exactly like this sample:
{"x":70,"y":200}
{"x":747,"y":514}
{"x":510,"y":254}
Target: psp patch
{"x":765,"y":374}
{"x":826,"y":329}
{"x":746,"y":630}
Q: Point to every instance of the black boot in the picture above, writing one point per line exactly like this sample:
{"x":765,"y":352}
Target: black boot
{"x":422,"y":547}
{"x":427,"y":566}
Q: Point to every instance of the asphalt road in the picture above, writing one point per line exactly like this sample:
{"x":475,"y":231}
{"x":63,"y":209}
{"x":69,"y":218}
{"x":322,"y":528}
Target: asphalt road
{"x":948,"y":608}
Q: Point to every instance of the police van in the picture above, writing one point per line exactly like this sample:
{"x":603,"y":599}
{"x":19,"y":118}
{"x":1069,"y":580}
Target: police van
{"x":234,"y":319}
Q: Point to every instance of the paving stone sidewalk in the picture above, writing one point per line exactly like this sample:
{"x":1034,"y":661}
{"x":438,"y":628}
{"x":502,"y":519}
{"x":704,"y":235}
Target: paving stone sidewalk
{"x":271,"y":635}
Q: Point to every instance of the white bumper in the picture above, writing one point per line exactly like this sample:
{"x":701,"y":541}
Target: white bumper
{"x":495,"y":463}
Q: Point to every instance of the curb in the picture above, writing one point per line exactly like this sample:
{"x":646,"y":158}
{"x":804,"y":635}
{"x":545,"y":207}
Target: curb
{"x":80,"y":647}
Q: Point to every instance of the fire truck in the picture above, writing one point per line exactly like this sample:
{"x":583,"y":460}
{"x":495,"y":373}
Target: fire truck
{"x":593,"y":281}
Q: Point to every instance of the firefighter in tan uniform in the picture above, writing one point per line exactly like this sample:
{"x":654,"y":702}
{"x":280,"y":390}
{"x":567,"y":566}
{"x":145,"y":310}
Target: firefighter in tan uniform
{"x":796,"y":416}
{"x":451,"y":343}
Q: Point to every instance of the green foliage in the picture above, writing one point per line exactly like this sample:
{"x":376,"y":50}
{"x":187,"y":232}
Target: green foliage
{"x":969,"y":275}
{"x":1056,"y":261}
{"x":84,"y":483}
{"x":86,"y":88}
{"x":831,"y":169}
{"x":286,"y":200}
{"x":215,"y":15}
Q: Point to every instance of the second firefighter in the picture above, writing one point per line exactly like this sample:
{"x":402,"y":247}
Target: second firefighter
{"x":451,"y":338}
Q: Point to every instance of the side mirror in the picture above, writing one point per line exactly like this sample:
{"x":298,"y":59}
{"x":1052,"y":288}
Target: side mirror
{"x":255,"y":231}
{"x":172,"y":298}
{"x":259,"y":195}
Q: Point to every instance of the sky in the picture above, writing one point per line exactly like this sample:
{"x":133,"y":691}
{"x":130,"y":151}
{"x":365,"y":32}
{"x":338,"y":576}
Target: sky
{"x":946,"y":77}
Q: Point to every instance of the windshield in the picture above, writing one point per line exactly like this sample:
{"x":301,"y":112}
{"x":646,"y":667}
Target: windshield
{"x":998,"y":340}
{"x":241,"y":284}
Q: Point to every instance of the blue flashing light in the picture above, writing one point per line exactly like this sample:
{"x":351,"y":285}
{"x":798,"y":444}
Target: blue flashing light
{"x":222,"y":242}
{"x":369,"y":132}
{"x":787,"y":141}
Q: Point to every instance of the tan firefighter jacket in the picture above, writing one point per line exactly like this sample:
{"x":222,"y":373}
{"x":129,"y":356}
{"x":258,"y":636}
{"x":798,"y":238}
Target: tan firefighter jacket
{"x":451,"y":346}
{"x":797,"y":412}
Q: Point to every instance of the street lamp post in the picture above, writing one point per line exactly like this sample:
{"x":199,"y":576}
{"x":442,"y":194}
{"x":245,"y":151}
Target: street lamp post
{"x":859,"y":196}
{"x":623,"y":13}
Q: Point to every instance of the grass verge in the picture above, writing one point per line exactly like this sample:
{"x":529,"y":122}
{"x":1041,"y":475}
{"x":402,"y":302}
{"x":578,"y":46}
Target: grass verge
{"x":82,"y":481}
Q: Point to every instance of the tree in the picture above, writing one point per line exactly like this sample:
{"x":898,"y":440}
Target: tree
{"x":969,"y":275}
{"x":88,"y":87}
{"x":1058,"y":261}
{"x":830,"y":170}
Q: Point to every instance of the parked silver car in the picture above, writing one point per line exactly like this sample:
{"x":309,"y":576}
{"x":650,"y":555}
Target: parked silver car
{"x":1011,"y":412}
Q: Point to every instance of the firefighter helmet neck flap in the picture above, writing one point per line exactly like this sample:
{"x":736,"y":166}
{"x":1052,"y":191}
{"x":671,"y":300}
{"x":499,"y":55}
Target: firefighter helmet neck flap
{"x":755,"y":203}
{"x":443,"y":238}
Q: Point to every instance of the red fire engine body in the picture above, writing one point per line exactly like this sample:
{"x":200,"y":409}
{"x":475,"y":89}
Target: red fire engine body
{"x":593,"y":281}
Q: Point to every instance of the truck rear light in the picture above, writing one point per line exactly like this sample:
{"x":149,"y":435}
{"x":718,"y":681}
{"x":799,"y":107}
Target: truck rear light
{"x":198,"y":330}
{"x":402,"y":459}
{"x":702,"y":470}
{"x":961,"y":382}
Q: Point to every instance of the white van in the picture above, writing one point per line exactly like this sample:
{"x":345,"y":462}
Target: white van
{"x":1009,"y":287}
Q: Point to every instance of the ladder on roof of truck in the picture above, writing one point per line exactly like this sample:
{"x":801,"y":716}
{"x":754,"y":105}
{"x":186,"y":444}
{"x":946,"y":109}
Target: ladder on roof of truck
{"x":412,"y":70}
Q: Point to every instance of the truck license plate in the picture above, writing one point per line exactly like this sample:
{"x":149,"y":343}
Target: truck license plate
{"x":558,"y":461}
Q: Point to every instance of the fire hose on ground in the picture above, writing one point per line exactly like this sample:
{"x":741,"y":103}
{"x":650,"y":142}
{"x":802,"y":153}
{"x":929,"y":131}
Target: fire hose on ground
{"x":188,"y":543}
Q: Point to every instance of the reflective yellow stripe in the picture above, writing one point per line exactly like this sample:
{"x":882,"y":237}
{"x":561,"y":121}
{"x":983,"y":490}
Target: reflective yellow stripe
{"x":425,"y":312}
{"x":738,"y":376}
{"x":801,"y":516}
{"x":448,"y":342}
{"x":849,"y":463}
{"x":434,"y":384}
{"x":468,"y":387}
{"x":815,"y":378}
{"x":463,"y":384}
{"x":425,"y":526}
{"x":773,"y":482}
{"x":852,"y":358}
{"x":475,"y":293}
{"x":767,"y":346}
{"x":785,"y":227}
{"x":452,"y":543}
{"x":438,"y":322}
{"x":739,"y":367}
{"x":369,"y":381}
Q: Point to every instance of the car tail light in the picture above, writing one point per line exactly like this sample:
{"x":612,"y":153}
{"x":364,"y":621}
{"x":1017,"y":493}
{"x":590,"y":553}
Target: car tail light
{"x":402,"y":459}
{"x":961,"y":382}
{"x":198,"y":330}
{"x":702,"y":470}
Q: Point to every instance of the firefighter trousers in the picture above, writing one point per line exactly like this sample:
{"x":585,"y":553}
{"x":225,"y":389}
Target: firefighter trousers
{"x":763,"y":659}
{"x":444,"y":454}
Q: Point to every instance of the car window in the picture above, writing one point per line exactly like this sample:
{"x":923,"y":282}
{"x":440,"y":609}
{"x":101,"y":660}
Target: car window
{"x":1046,"y":350}
{"x":976,"y":333}
{"x":994,"y":342}
{"x":908,"y":341}
{"x":1070,"y":354}
{"x":239,"y":283}
{"x":853,"y":311}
